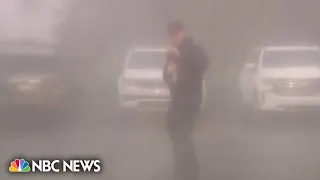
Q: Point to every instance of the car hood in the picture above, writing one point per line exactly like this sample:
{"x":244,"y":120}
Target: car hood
{"x":143,"y":74}
{"x":311,"y":72}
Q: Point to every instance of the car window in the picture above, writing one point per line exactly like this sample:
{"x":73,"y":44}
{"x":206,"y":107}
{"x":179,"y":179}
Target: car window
{"x":287,"y":59}
{"x":147,"y":60}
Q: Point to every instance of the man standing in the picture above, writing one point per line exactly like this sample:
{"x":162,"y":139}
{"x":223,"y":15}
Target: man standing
{"x":183,"y":72}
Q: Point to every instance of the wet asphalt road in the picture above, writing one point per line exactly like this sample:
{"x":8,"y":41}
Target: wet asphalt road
{"x":230,"y":145}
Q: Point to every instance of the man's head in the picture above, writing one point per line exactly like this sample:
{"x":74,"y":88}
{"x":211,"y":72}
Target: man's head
{"x":176,"y":32}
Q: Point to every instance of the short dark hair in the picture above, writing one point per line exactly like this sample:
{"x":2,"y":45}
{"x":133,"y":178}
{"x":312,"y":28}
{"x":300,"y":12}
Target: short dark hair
{"x":174,"y":27}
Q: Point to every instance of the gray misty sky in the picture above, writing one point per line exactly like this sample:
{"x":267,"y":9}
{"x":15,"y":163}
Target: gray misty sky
{"x":31,"y":19}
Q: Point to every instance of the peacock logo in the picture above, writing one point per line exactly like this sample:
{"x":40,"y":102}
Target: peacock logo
{"x":19,"y":165}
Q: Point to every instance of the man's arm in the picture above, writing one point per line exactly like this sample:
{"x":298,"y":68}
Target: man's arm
{"x":200,"y":62}
{"x":165,"y":71}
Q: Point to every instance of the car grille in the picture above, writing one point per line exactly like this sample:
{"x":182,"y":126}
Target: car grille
{"x":300,"y":87}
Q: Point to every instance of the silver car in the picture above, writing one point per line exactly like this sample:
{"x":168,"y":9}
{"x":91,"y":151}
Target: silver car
{"x":141,"y":85}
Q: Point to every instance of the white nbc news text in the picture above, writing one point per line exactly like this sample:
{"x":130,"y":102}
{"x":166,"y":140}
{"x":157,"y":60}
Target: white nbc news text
{"x":66,"y":166}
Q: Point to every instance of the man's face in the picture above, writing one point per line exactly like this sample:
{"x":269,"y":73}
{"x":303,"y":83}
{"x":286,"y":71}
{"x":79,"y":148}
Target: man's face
{"x":177,"y":38}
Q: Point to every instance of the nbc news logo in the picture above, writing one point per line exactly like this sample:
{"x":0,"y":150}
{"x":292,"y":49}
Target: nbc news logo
{"x":56,"y":166}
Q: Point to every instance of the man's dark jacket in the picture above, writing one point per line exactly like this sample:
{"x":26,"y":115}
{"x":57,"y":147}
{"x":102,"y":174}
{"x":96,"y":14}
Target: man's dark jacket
{"x":186,"y":93}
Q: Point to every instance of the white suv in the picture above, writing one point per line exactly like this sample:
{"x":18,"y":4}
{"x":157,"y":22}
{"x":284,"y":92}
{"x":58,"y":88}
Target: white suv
{"x":281,"y":78}
{"x":141,"y":85}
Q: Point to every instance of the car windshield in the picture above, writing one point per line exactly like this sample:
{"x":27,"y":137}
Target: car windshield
{"x":287,"y":59}
{"x":147,"y":60}
{"x":25,"y":64}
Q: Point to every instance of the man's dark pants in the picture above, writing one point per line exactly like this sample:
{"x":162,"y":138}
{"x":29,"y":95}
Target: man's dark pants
{"x":181,"y":119}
